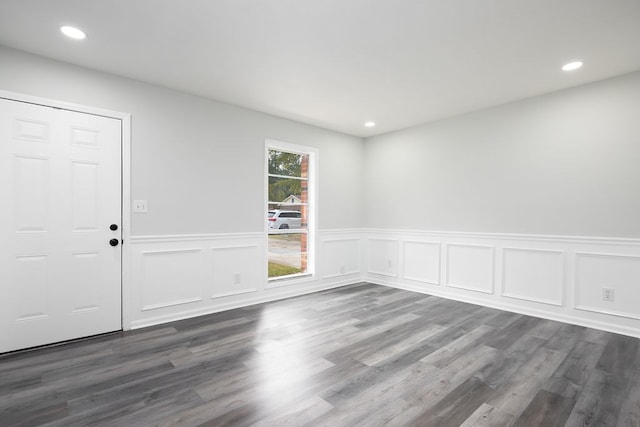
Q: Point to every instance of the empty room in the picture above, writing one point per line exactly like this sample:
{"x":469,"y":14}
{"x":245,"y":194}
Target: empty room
{"x":332,"y":213}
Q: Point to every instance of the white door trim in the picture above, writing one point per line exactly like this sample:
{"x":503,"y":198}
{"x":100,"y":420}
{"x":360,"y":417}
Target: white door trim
{"x":126,"y":182}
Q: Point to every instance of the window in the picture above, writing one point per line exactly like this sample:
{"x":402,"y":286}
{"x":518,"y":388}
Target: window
{"x":290,"y":210}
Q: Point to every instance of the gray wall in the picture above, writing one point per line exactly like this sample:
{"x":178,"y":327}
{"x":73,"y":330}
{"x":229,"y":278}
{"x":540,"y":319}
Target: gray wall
{"x":199,"y":163}
{"x":567,"y":163}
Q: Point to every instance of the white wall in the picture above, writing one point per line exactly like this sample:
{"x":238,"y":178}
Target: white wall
{"x":531,"y":207}
{"x":563,"y":164}
{"x":504,"y":184}
{"x":199,"y":163}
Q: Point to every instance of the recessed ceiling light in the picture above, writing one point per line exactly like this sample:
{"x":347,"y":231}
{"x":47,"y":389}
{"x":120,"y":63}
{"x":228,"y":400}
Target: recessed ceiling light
{"x":73,"y":32}
{"x":370,"y":124}
{"x":572,"y":66}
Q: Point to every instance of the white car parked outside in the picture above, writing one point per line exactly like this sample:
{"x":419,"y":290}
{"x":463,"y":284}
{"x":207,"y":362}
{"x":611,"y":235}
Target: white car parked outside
{"x":283,"y":220}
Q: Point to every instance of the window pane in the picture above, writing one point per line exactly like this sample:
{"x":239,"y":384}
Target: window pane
{"x":287,"y":254}
{"x":288,"y":189}
{"x":286,"y":265}
{"x":286,"y":244}
{"x":285,"y":191}
{"x":287,"y":164}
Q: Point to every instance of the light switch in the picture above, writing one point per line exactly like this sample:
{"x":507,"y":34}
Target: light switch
{"x":139,"y":206}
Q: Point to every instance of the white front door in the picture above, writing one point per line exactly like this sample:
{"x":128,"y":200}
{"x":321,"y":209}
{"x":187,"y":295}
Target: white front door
{"x":60,"y":193}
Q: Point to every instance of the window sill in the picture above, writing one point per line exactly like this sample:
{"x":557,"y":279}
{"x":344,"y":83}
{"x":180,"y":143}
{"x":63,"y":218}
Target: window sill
{"x":293,"y":279}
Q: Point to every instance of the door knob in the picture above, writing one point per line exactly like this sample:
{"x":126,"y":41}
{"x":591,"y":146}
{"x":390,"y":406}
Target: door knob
{"x":114,"y":242}
{"x":113,"y":227}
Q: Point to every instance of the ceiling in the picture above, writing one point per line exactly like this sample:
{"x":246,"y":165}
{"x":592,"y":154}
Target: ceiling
{"x":339,"y":63}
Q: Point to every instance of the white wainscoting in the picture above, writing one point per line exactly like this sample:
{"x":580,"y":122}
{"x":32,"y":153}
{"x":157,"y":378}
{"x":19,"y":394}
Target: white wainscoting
{"x":177,"y":277}
{"x":171,"y":277}
{"x":620,"y":273}
{"x":421,"y":261}
{"x":533,"y":275}
{"x":229,"y":270}
{"x":341,"y":256}
{"x":554,"y":277}
{"x":382,"y":256}
{"x":470,"y":267}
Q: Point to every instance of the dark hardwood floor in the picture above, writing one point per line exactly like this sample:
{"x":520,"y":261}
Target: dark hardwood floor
{"x":362,"y":355}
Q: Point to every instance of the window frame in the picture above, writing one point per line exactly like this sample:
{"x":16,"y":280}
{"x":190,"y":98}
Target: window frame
{"x":312,"y":209}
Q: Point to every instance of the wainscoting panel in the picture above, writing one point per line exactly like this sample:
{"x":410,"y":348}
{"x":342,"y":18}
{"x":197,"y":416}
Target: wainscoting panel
{"x":619,"y":275}
{"x":177,"y":277}
{"x":341,"y":257}
{"x":235,"y":270}
{"x":171,"y":277}
{"x":470,"y":267}
{"x":533,"y":275}
{"x":554,"y":277}
{"x":421,"y":261}
{"x":382,"y":257}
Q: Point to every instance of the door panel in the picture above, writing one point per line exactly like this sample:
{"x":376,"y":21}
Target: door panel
{"x":60,"y":184}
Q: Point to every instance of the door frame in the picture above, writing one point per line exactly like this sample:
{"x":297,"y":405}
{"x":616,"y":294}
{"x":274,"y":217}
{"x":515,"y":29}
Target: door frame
{"x":125,"y":118}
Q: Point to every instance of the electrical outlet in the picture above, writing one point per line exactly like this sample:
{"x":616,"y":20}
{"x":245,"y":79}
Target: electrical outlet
{"x":237,"y":279}
{"x":342,"y":269}
{"x":389,"y":263}
{"x":608,"y":294}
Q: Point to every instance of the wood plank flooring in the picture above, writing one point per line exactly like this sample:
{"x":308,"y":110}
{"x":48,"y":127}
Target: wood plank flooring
{"x":361,"y":355}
